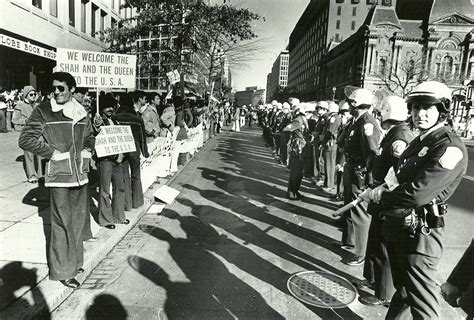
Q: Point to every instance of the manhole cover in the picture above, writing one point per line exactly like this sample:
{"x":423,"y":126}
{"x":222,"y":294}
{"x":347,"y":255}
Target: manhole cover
{"x":322,"y":289}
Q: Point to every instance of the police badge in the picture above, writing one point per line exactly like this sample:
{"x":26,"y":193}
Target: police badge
{"x":423,"y":152}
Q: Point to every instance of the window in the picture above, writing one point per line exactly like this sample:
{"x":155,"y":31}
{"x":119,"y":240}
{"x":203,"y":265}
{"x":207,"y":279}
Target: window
{"x":83,"y":15}
{"x":386,"y":2}
{"x":381,"y":67}
{"x":354,"y":11}
{"x":93,"y":19}
{"x":355,"y":1}
{"x":72,"y":13}
{"x":371,"y":1}
{"x":102,"y":20}
{"x":338,"y":24}
{"x":37,"y":3}
{"x":339,"y":10}
{"x":339,"y":1}
{"x":353,"y":25}
{"x":446,"y":66}
{"x":53,"y":8}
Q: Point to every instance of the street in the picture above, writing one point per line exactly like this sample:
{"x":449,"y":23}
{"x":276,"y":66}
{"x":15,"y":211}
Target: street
{"x":228,"y":244}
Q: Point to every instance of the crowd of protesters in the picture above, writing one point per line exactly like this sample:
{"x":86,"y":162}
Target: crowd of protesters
{"x":394,"y":162}
{"x":58,"y":133}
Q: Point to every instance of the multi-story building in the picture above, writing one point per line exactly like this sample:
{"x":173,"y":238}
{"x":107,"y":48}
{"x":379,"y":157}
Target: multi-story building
{"x":251,"y":95}
{"x":278,"y":78}
{"x":323,"y":24}
{"x":31,"y":30}
{"x":434,"y":41}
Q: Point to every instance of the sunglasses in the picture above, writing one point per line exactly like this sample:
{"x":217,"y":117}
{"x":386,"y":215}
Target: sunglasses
{"x":32,"y":94}
{"x":60,"y":88}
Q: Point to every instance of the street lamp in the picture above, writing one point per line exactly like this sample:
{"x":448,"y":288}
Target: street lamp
{"x":334,"y":93}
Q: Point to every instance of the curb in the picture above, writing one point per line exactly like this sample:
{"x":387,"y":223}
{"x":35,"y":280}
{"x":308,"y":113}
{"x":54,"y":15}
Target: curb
{"x":53,"y":293}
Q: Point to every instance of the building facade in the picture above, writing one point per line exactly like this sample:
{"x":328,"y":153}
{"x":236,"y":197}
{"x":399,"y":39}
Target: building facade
{"x":251,"y":95}
{"x":278,"y":78}
{"x":31,"y":30}
{"x":392,"y":53}
{"x":323,"y":25}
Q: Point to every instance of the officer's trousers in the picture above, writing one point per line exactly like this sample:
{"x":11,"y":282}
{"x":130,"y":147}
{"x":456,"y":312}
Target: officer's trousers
{"x":377,"y":264}
{"x":414,"y":262}
{"x":356,"y":231}
{"x":111,"y":206}
{"x":308,"y":157}
{"x":296,"y":175}
{"x":329,"y":156}
{"x":68,"y":213}
{"x":284,"y":138}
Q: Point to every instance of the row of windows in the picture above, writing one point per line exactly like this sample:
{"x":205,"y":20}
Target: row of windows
{"x":339,"y":9}
{"x":338,"y":25}
{"x":97,"y":17}
{"x":383,"y":2}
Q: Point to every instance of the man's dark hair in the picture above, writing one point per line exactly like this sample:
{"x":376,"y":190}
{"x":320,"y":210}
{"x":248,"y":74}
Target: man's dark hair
{"x":152,"y":95}
{"x":138,"y":95}
{"x":82,"y":90}
{"x":65,"y":77}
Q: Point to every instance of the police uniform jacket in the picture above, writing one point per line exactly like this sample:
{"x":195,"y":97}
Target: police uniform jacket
{"x":362,"y":143}
{"x":318,"y":130}
{"x":391,"y":148}
{"x":430,"y":168}
{"x":331,"y":128}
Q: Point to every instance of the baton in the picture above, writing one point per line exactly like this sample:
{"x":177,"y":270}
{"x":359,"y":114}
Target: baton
{"x":348,"y":206}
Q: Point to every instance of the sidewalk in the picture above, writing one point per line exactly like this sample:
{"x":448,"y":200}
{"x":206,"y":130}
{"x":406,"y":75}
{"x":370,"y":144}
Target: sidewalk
{"x":25,"y":289}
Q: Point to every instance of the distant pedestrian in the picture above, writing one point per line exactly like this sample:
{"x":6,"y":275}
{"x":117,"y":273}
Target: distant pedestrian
{"x":21,"y":113}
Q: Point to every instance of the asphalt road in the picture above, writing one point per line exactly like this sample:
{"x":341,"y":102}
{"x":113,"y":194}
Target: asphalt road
{"x":228,"y":244}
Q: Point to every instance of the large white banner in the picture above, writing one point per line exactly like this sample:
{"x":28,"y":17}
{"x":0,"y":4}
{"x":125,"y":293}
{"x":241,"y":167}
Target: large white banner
{"x":158,"y":164}
{"x":98,"y":69}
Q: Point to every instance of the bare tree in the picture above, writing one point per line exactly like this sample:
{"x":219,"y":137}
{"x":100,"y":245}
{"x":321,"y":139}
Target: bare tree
{"x":401,"y":76}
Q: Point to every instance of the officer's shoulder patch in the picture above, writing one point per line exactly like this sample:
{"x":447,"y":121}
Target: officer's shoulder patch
{"x":450,"y":158}
{"x":398,"y":146}
{"x":368,"y":129}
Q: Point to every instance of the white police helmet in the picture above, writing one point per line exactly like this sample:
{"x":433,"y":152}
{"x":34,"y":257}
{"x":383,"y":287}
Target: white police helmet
{"x":294,"y":101}
{"x":360,"y":96}
{"x":322,"y":105}
{"x":393,"y":108}
{"x":333,"y":107}
{"x":431,"y":92}
{"x":343,"y":105}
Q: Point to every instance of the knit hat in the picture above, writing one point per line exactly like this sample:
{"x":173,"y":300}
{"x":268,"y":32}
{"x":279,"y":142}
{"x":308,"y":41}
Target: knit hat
{"x":26,"y":90}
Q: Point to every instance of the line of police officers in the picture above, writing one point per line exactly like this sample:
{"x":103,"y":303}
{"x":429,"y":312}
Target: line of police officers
{"x":400,"y":175}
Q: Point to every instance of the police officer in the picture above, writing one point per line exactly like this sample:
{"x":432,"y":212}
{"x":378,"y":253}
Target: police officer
{"x":360,"y":147}
{"x":427,"y":174}
{"x":329,"y":146}
{"x":284,"y":135}
{"x":322,"y":108}
{"x":297,"y":142}
{"x":394,"y":113}
{"x":346,"y":122}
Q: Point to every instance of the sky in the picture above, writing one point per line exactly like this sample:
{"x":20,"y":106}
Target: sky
{"x":281,"y":17}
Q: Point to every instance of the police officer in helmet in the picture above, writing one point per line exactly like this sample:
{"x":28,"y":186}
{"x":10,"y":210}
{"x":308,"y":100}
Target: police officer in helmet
{"x":413,"y":201}
{"x":393,"y":116}
{"x":360,"y":146}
